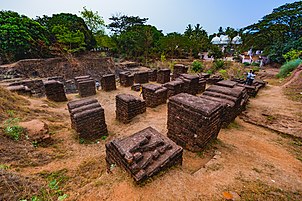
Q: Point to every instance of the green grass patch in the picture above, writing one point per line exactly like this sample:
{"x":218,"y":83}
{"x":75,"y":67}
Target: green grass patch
{"x":288,"y":67}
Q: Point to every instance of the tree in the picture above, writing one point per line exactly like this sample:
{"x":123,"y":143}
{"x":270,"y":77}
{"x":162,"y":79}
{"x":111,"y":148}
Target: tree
{"x":122,"y":23}
{"x":197,"y":40}
{"x":21,"y":37}
{"x":94,"y":21}
{"x":138,"y":41}
{"x":72,"y":23}
{"x":278,"y":32}
{"x":173,"y":44}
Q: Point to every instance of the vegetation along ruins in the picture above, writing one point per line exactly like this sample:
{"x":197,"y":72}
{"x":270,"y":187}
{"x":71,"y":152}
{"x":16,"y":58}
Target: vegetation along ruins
{"x":120,"y":110}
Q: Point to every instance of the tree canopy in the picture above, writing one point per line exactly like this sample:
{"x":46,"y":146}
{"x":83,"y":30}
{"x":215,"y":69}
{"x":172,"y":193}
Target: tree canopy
{"x":21,"y":37}
{"x":278,"y":32}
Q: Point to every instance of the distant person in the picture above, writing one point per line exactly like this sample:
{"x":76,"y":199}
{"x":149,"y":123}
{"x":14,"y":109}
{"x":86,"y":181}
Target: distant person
{"x":250,"y":78}
{"x":97,"y":85}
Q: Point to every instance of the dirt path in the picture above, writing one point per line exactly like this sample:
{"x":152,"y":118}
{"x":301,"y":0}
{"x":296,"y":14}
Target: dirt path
{"x":272,"y":109}
{"x":246,"y":159}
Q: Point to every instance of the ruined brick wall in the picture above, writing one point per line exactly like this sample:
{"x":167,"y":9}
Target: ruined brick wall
{"x":54,"y":91}
{"x":88,"y":118}
{"x":96,"y":67}
{"x":128,"y":106}
{"x":163,"y":76}
{"x":126,"y":79}
{"x":174,"y":87}
{"x":143,"y":154}
{"x":141,"y":77}
{"x":108,"y":82}
{"x":193,"y":121}
{"x":154,"y":95}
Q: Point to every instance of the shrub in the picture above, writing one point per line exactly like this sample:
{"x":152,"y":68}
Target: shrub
{"x":210,"y":72}
{"x":292,"y":55}
{"x":246,"y":64}
{"x":256,"y":69}
{"x":288,"y":67}
{"x":223,"y":73}
{"x":218,"y":64}
{"x":12,"y":129}
{"x":197,"y":66}
{"x":255,"y":64}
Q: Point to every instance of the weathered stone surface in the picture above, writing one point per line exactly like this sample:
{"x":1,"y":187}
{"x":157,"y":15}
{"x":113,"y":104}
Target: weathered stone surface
{"x":178,"y":70}
{"x":154,"y":95}
{"x":191,"y":83}
{"x":20,"y":89}
{"x":141,"y":77}
{"x":201,"y":85}
{"x":85,"y":85}
{"x":214,"y":79}
{"x":35,"y":86}
{"x":108,"y":82}
{"x":143,"y":154}
{"x":152,"y":75}
{"x":251,"y":90}
{"x":233,"y":98}
{"x":128,"y":106}
{"x":126,"y":79}
{"x":88,"y":118}
{"x":55,"y":91}
{"x":174,"y":87}
{"x":36,"y":131}
{"x":193,"y":121}
{"x":163,"y":75}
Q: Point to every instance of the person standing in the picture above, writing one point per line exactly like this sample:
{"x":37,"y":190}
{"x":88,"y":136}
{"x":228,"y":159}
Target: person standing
{"x":248,"y":77}
{"x":252,"y":78}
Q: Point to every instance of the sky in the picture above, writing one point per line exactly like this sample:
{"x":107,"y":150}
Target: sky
{"x":167,"y":15}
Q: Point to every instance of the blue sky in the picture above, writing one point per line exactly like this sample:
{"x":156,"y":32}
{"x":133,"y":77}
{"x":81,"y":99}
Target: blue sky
{"x":166,"y":15}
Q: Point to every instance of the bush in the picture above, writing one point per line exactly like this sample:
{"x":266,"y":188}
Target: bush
{"x":12,"y":129}
{"x":223,"y":74}
{"x":255,"y":64}
{"x":292,"y":55}
{"x":246,"y":64}
{"x":288,"y":67}
{"x":218,"y":64}
{"x":197,"y":66}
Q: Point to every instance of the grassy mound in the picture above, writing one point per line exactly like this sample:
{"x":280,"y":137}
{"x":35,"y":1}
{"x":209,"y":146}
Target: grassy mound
{"x":288,"y":67}
{"x":11,"y":102}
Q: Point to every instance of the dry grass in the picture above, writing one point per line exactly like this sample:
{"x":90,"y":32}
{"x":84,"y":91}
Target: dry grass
{"x":294,"y":90}
{"x":11,"y":102}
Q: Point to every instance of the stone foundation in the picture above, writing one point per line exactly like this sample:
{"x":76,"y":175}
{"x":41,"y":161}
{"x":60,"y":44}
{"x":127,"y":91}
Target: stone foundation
{"x":126,"y":79}
{"x":128,"y":106}
{"x":108,"y":82}
{"x":35,"y":86}
{"x":143,"y":154}
{"x":87,"y":118}
{"x":193,"y":121}
{"x":55,"y":91}
{"x":174,"y":87}
{"x":141,"y":77}
{"x":163,"y":76}
{"x":191,"y":83}
{"x":178,"y":70}
{"x":152,"y":75}
{"x":154,"y":95}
